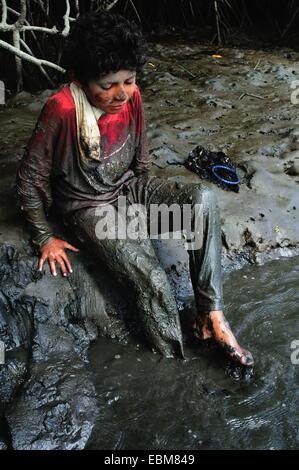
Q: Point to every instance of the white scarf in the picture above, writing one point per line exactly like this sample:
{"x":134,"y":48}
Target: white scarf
{"x":88,"y":133}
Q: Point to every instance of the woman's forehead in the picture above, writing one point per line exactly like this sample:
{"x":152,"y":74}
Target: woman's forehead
{"x":119,"y":76}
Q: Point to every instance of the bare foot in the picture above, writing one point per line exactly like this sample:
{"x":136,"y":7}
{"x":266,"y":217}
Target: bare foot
{"x":202,"y":331}
{"x":215,"y":325}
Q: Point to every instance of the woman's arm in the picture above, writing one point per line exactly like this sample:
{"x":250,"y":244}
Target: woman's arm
{"x":33,"y":187}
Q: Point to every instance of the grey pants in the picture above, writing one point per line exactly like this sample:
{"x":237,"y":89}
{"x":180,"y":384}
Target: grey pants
{"x":135,"y":265}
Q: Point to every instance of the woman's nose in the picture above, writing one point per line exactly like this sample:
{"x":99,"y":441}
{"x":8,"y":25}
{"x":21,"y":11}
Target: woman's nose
{"x":121,"y":94}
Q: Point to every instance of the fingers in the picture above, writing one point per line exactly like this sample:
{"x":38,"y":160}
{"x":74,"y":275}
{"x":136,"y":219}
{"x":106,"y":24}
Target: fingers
{"x":67,"y":262}
{"x":71,"y":247}
{"x":52,"y":266}
{"x":62,"y":260}
{"x":41,"y":262}
{"x":62,"y":265}
{"x":55,"y":253}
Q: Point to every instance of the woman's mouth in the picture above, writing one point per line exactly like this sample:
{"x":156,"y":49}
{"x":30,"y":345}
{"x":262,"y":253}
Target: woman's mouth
{"x":118,"y":105}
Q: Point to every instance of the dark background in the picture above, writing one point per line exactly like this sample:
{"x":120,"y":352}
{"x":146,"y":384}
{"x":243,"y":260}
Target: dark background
{"x":243,"y":23}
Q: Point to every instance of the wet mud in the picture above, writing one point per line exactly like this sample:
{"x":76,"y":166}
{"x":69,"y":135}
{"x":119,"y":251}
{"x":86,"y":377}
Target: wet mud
{"x":205,"y":402}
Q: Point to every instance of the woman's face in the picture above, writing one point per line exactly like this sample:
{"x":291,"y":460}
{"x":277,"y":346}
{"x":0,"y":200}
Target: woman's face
{"x":111,"y":92}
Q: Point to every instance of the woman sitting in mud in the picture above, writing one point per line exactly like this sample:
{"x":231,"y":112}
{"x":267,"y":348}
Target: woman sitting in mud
{"x":88,"y":149}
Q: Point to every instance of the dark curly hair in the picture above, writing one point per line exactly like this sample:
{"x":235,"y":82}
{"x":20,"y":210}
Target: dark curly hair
{"x":101,"y":43}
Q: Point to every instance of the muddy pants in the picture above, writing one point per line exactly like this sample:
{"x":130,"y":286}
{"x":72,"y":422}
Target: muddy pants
{"x":133,"y":262}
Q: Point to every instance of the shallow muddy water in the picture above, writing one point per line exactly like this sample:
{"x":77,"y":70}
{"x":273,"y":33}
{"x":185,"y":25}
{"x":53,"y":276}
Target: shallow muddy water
{"x":151,"y":403}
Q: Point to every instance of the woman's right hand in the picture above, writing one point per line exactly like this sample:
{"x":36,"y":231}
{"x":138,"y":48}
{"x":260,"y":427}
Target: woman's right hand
{"x":53,"y":251}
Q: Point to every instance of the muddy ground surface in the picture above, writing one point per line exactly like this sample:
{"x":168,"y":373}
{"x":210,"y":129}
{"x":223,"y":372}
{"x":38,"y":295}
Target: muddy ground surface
{"x":240,"y":104}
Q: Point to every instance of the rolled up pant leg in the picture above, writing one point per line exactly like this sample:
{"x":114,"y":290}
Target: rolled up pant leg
{"x":205,"y":261}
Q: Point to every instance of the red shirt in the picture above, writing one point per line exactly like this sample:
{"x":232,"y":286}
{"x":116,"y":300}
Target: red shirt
{"x":51,"y":167}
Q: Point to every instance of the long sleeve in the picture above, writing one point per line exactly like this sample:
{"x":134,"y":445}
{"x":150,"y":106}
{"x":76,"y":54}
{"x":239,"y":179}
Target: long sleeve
{"x":142,"y":160}
{"x":33,"y":182}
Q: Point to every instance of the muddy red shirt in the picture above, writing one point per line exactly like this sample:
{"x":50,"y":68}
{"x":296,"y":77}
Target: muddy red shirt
{"x":52,"y":169}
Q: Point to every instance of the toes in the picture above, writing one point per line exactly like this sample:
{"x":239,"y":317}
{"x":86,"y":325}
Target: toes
{"x":240,"y":355}
{"x":247,"y":359}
